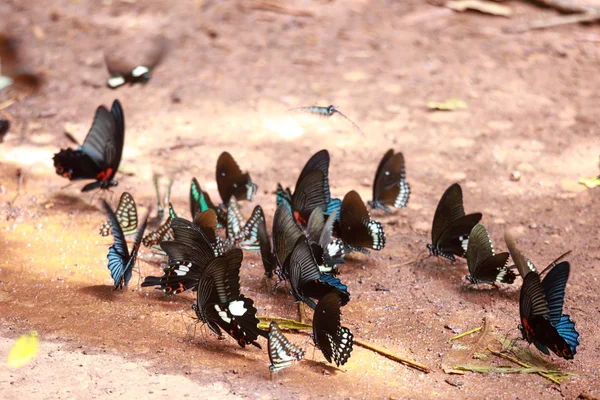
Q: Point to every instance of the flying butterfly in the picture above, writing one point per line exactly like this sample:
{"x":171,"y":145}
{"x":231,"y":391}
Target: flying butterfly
{"x":100,"y":154}
{"x":231,"y":181}
{"x":121,"y":74}
{"x":334,"y":340}
{"x":390,"y":186}
{"x":220,"y":303}
{"x":541,"y":307}
{"x":306,"y":279}
{"x":451,"y":227}
{"x":120,"y":261}
{"x":282,"y":353}
{"x":356,"y":227}
{"x":484,"y":265}
{"x":327,"y":112}
{"x":126,"y":213}
{"x":163,"y":232}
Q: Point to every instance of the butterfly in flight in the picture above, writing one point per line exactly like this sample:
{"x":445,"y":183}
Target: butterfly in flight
{"x":327,"y":112}
{"x":120,"y":261}
{"x":231,"y":181}
{"x":451,"y":227}
{"x":100,"y":154}
{"x":306,"y":279}
{"x":126,"y":214}
{"x":282,"y":353}
{"x":220,"y":304}
{"x":485,"y":266}
{"x":312,"y":190}
{"x":334,"y":340}
{"x":356,"y":227}
{"x":121,"y":74}
{"x":541,"y":307}
{"x":390,"y":186}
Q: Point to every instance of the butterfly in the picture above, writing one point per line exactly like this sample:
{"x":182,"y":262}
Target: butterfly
{"x":451,"y":227}
{"x":120,"y":262}
{"x":312,"y":189}
{"x":266,"y":250}
{"x":220,"y":304}
{"x":334,"y":340}
{"x":235,"y":221}
{"x":121,"y":74}
{"x":231,"y":181}
{"x":4,"y":127}
{"x":164,"y":232}
{"x":390,"y":186}
{"x":356,"y":227}
{"x":126,"y":214}
{"x":99,"y":156}
{"x":328,"y":250}
{"x":250,"y":233}
{"x":327,"y":112}
{"x":200,"y":201}
{"x":285,"y":235}
{"x":282,"y":353}
{"x":541,"y":307}
{"x":160,"y":207}
{"x":284,"y":195}
{"x":484,"y":265}
{"x":188,"y":255}
{"x":306,"y":279}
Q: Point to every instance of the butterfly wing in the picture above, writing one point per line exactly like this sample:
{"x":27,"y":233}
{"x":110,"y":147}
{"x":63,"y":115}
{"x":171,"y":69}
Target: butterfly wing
{"x":450,"y":208}
{"x":390,"y":186}
{"x":454,"y":239}
{"x":204,"y":307}
{"x":250,"y":234}
{"x":285,"y":235}
{"x":126,"y":213}
{"x":554,"y":284}
{"x":524,"y":266}
{"x":118,"y":254}
{"x":134,"y":252}
{"x":282,"y":353}
{"x":231,"y":181}
{"x":356,"y":227}
{"x":532,"y":306}
{"x":334,"y":340}
{"x":309,"y":194}
{"x":484,"y":265}
{"x":199,"y":199}
{"x":207,"y":222}
{"x":235,"y":221}
{"x":315,"y":225}
{"x":164,"y":232}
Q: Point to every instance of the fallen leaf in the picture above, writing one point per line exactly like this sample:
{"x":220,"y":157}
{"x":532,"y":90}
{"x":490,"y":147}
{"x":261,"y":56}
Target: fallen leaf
{"x":486,"y":7}
{"x":24,"y":350}
{"x":590,"y":183}
{"x":450,"y":104}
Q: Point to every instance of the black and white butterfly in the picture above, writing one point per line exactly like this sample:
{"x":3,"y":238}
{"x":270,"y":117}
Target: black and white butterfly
{"x":188,"y":253}
{"x":541,"y":310}
{"x":306,"y":279}
{"x":163,"y":232}
{"x":126,"y":214}
{"x":319,"y":232}
{"x":99,"y":156}
{"x":121,"y":74}
{"x":220,"y":304}
{"x":356,"y":228}
{"x":390,"y":186}
{"x":485,"y":266}
{"x":285,"y":235}
{"x":451,"y":227}
{"x":231,"y":181}
{"x":334,"y":340}
{"x":250,"y":239}
{"x":282,"y":353}
{"x":120,"y":261}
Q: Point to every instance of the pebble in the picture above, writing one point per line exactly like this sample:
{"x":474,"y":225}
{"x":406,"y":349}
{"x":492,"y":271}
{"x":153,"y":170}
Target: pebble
{"x":515,"y":176}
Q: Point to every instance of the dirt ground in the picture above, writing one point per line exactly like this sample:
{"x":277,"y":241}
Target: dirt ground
{"x":231,"y":74}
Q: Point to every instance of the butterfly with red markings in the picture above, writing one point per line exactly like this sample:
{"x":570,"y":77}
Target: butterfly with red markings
{"x":100,"y":154}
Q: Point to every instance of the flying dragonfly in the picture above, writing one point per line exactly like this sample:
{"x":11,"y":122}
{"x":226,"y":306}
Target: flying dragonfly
{"x":327,"y":112}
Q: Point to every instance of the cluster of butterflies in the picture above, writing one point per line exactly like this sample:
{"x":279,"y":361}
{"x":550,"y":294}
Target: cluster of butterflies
{"x":311,"y":235}
{"x":543,"y":323}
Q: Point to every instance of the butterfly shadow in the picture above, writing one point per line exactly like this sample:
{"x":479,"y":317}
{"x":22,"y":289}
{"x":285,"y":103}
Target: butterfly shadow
{"x":67,"y":203}
{"x":484,"y":289}
{"x":102,"y":292}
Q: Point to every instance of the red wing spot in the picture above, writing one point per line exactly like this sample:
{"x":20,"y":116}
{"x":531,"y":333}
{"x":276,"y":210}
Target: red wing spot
{"x":527,"y":327}
{"x":104,"y":175}
{"x":299,"y":218}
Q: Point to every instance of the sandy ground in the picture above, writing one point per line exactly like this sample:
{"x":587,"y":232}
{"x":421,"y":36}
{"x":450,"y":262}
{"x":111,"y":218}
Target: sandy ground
{"x":231,"y":74}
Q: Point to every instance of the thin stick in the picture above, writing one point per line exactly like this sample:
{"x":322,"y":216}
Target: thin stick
{"x":554,"y":21}
{"x":522,"y":364}
{"x":465,"y":333}
{"x":280,"y":9}
{"x":391,"y":356}
{"x":301,"y":312}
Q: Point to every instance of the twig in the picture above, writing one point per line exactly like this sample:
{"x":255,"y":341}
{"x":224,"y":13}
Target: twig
{"x":391,"y":356}
{"x":568,"y":6}
{"x":301,"y":313}
{"x":522,"y":364}
{"x":465,"y":333}
{"x":554,"y":21}
{"x":267,"y":5}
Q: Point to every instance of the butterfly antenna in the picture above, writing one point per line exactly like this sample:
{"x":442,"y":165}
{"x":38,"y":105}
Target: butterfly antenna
{"x":553,"y":263}
{"x":356,"y":127}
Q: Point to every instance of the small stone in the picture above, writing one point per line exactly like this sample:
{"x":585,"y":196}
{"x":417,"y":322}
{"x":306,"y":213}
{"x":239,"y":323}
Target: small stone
{"x":515,"y":176}
{"x":533,"y":225}
{"x":454,"y":382}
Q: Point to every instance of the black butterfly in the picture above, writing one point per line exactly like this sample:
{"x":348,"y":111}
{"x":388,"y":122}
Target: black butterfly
{"x":357,"y":229}
{"x":161,"y":206}
{"x":189,"y":253}
{"x":266,"y":250}
{"x":390,"y":186}
{"x":284,"y":195}
{"x":451,"y":227}
{"x":164,"y":232}
{"x":312,"y":189}
{"x":4,"y":127}
{"x":120,"y":262}
{"x":282,"y":353}
{"x":542,"y":320}
{"x":306,"y":279}
{"x":121,"y":74}
{"x":200,"y":201}
{"x":126,"y":214}
{"x":231,"y":181}
{"x":484,"y":265}
{"x":334,"y":340}
{"x":220,"y":304}
{"x":99,"y":156}
{"x":285,"y":235}
{"x":319,"y":232}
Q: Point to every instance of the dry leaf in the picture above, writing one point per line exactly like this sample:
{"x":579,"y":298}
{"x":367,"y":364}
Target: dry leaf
{"x":24,"y":350}
{"x":486,"y":7}
{"x":590,"y":183}
{"x":450,"y":104}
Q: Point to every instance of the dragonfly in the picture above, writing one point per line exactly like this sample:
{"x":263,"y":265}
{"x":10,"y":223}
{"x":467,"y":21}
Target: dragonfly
{"x":327,"y":112}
